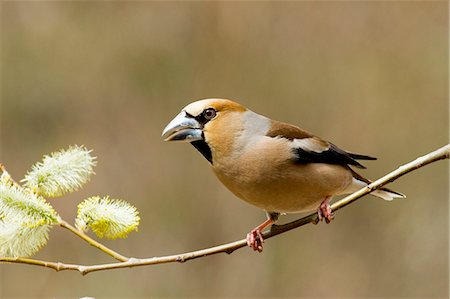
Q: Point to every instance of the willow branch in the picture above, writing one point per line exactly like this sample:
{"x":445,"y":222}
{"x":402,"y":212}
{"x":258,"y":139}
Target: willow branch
{"x":91,"y":241}
{"x":439,"y":154}
{"x":3,"y":170}
{"x":72,"y":229}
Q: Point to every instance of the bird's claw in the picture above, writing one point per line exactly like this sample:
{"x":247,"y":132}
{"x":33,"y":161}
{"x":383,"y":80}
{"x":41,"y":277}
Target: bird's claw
{"x":255,"y":240}
{"x":316,"y":219}
{"x":324,"y":212}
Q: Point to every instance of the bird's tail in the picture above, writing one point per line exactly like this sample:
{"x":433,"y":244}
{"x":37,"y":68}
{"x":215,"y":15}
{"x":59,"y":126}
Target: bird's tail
{"x":384,"y":193}
{"x":387,"y":194}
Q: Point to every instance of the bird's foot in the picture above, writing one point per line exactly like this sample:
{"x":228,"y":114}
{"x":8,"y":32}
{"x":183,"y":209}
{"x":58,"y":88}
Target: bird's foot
{"x":255,"y":240}
{"x":324,"y":211}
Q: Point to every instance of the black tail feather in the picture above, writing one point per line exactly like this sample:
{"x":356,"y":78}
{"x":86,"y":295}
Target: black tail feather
{"x":361,"y":157}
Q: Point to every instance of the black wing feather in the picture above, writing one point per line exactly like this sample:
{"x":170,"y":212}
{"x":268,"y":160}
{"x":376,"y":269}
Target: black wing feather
{"x":333,"y":155}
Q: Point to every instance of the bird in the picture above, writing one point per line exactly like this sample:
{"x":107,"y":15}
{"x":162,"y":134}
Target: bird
{"x":272,"y":165}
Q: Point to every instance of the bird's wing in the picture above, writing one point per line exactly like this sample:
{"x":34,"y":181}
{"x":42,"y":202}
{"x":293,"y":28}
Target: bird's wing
{"x":311,"y":149}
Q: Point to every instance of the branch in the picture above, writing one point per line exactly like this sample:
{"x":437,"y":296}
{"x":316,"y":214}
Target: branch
{"x":439,"y":154}
{"x":91,"y":241}
{"x":71,"y":228}
{"x":4,"y":172}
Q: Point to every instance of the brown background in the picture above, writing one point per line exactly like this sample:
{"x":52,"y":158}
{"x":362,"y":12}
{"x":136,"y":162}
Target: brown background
{"x":370,"y":76}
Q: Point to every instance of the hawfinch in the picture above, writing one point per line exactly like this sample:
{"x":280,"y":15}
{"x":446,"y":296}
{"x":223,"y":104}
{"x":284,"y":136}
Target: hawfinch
{"x":273,"y":165}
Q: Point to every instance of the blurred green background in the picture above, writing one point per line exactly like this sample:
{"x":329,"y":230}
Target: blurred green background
{"x":370,"y":76}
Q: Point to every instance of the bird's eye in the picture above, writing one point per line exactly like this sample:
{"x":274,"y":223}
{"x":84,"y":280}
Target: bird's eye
{"x":209,"y":113}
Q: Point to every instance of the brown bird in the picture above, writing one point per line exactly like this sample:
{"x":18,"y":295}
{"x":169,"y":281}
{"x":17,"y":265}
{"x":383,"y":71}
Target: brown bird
{"x":275,"y":166}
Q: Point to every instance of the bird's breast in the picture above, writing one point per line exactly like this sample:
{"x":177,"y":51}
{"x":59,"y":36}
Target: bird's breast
{"x":266,"y":176}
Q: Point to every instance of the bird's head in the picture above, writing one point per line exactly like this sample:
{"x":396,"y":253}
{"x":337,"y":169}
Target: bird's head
{"x":208,"y":124}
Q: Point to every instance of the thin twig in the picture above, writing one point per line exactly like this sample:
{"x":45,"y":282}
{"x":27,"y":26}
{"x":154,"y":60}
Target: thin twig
{"x":52,"y":265}
{"x":66,"y":225}
{"x":442,"y":153}
{"x":4,"y":172}
{"x":91,"y":241}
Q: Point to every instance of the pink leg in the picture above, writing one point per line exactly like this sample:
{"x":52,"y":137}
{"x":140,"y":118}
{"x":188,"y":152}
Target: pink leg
{"x":324,"y":210}
{"x":255,"y":238}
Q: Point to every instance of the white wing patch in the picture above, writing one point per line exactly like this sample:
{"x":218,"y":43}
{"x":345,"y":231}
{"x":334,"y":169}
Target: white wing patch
{"x":309,"y":144}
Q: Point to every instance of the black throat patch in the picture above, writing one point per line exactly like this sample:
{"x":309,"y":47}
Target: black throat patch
{"x":204,"y":149}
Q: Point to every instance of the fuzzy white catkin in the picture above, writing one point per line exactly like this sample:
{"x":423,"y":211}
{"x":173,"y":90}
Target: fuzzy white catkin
{"x":19,"y":240}
{"x":61,"y":172}
{"x":25,"y":220}
{"x":16,"y":202}
{"x":107,"y":218}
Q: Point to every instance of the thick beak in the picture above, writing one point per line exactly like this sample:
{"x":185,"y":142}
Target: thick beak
{"x":183,"y":128}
